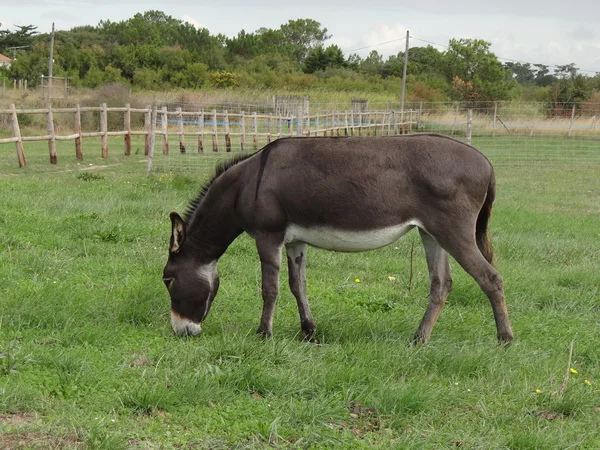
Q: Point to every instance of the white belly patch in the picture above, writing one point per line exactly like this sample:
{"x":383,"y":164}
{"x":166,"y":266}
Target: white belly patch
{"x":347,"y":240}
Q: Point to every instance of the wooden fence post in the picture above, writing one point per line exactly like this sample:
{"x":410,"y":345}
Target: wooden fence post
{"x":299,"y":121}
{"x":52,"y":139}
{"x":16,"y":132}
{"x":215,"y":141}
{"x":104,"y":130}
{"x":279,"y":126}
{"x":255,"y":131}
{"x":572,"y":118}
{"x":127,"y":137}
{"x":469,"y":125}
{"x":345,"y":123}
{"x":455,"y":118}
{"x":152,"y":139}
{"x":180,"y":130}
{"x":227,"y":134}
{"x":77,"y":131}
{"x":201,"y":131}
{"x":242,"y":131}
{"x":269,"y":128}
{"x":533,"y":122}
{"x":360,"y":123}
{"x":164,"y":126}
{"x":148,"y":129}
{"x":495,"y":115}
{"x":334,"y":124}
{"x":374,"y":126}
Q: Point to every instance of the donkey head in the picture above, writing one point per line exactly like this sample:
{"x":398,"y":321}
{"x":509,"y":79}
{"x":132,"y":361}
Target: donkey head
{"x":192,"y":283}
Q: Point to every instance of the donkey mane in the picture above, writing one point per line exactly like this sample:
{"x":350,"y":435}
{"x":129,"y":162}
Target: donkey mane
{"x":220,"y":169}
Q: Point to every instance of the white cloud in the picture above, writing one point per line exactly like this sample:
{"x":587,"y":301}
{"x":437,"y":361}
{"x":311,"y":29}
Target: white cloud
{"x":342,"y":42}
{"x":6,"y":24}
{"x":192,"y":21}
{"x":394,"y":35}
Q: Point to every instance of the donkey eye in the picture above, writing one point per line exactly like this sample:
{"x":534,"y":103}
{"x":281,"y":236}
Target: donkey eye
{"x":168,"y":282}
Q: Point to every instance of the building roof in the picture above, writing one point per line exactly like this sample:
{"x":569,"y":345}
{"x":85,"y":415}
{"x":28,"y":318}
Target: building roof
{"x":5,"y":59}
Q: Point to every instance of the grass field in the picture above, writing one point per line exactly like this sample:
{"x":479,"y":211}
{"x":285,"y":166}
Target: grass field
{"x":88,"y":359}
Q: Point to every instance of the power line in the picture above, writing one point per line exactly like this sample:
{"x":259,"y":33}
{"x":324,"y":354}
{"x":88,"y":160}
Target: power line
{"x":447,"y":47}
{"x":374,"y":45}
{"x":509,"y":59}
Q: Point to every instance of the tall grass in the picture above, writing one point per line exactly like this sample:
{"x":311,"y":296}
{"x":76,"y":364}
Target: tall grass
{"x":87,"y":357}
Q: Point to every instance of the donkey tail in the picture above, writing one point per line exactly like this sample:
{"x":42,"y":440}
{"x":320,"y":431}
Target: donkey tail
{"x":481,"y":227}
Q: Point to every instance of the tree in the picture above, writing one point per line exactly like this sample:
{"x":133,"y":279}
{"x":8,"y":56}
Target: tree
{"x":301,"y":35}
{"x":424,"y":60}
{"x":372,"y":64}
{"x":31,"y":65}
{"x":23,"y":37}
{"x":570,"y":92}
{"x":319,"y":59}
{"x":246,"y":45}
{"x":522,"y":73}
{"x":470,"y":61}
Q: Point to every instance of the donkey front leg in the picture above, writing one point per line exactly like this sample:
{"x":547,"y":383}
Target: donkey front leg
{"x":269,"y":251}
{"x":440,"y":285}
{"x":296,"y":258}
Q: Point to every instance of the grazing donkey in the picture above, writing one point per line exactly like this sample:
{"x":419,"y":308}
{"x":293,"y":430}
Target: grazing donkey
{"x":346,"y":194}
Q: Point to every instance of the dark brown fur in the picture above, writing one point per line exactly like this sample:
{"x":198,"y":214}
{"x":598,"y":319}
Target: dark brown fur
{"x":354,"y":185}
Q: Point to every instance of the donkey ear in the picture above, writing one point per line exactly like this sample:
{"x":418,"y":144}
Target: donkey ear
{"x":177,"y":232}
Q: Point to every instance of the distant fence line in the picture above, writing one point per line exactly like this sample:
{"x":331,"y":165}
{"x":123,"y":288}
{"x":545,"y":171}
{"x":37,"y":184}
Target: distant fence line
{"x":214,"y":124}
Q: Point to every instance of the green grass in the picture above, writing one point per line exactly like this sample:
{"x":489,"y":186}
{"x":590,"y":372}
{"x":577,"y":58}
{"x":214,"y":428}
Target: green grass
{"x":88,"y":360}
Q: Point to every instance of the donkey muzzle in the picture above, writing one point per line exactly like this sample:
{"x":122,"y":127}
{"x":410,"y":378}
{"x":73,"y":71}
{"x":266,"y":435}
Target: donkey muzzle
{"x":184,"y":327}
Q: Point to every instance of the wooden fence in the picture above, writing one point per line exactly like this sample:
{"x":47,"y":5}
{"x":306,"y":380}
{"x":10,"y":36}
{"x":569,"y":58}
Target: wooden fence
{"x":212,"y":124}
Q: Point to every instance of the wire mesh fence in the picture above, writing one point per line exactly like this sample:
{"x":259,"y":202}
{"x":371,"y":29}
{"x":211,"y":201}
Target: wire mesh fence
{"x":508,"y":133}
{"x":521,"y":132}
{"x":189,"y":137}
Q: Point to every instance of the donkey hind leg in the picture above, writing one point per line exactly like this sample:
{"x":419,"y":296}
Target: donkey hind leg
{"x":296,"y":258}
{"x":269,"y":251}
{"x":440,"y":285}
{"x":463,"y":248}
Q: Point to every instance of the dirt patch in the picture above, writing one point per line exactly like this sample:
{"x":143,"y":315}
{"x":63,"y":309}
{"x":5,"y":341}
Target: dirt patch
{"x":548,"y":414}
{"x":37,"y":440}
{"x":362,"y":420}
{"x":140,"y":360}
{"x":17,"y":419}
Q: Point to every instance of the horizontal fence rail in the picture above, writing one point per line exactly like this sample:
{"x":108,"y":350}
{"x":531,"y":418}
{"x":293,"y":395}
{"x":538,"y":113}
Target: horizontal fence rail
{"x":505,"y":131}
{"x":248,"y":129}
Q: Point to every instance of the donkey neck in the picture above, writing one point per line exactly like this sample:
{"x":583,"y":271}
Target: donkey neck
{"x":213,"y":225}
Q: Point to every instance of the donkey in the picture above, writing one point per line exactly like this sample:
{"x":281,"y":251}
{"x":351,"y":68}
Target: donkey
{"x":346,"y":194}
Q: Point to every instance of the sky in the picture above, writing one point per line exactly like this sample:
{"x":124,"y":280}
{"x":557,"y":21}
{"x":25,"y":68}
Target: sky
{"x":551,"y":32}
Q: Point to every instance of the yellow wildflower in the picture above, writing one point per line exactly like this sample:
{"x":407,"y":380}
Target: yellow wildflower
{"x":391,"y":278}
{"x":538,"y":391}
{"x":357,"y":280}
{"x":573,"y":371}
{"x":587,"y":382}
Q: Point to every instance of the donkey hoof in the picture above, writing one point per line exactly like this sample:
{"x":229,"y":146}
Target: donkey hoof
{"x":265,"y":334}
{"x":308,"y":329}
{"x":505,"y":339}
{"x":419,"y":338}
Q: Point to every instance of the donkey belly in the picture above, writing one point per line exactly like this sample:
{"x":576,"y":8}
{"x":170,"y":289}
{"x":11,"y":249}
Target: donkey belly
{"x":347,"y":240}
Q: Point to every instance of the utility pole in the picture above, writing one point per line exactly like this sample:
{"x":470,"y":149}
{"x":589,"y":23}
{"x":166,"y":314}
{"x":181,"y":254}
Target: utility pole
{"x":404,"y":76}
{"x":50,"y":62}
